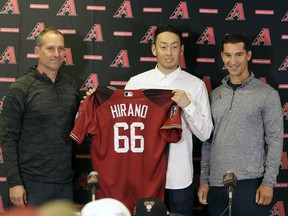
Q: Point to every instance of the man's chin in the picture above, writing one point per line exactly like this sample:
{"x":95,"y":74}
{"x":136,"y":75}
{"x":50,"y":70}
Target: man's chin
{"x":54,"y":69}
{"x":171,"y":67}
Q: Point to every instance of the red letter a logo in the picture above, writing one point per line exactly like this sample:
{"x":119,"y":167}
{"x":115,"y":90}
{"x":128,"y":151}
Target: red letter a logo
{"x":95,"y":32}
{"x":284,"y":65}
{"x":181,"y":10}
{"x":67,"y":7}
{"x":11,"y":5}
{"x":8,"y":55}
{"x":208,"y":36}
{"x":263,"y":37}
{"x":125,"y":9}
{"x":91,"y":82}
{"x":149,"y":35}
{"x":278,"y":209}
{"x":121,"y":58}
{"x":36,"y":31}
{"x":237,"y":11}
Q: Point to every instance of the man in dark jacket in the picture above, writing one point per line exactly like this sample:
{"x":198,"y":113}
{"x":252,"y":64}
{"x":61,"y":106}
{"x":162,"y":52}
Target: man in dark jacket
{"x":37,"y":117}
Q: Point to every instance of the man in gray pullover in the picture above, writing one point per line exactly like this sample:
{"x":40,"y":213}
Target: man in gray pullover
{"x":247,"y":139}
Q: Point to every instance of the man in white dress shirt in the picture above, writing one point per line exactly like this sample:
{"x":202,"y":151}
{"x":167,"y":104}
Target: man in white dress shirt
{"x":190,"y":93}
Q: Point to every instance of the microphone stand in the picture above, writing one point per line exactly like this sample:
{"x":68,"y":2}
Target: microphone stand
{"x":93,"y":195}
{"x":92,"y":181}
{"x":230,"y":205}
{"x":230,"y":200}
{"x":94,"y":188}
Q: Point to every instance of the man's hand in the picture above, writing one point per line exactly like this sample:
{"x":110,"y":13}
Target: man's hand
{"x":18,"y":196}
{"x":203,"y":193}
{"x":264,"y":195}
{"x":88,"y":93}
{"x":180,"y":98}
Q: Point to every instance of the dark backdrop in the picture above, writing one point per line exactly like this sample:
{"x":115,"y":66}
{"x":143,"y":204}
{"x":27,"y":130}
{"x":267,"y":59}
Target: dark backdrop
{"x":109,"y":41}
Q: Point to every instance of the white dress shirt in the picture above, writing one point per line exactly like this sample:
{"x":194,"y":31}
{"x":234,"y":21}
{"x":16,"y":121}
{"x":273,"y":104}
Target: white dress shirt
{"x":196,"y":119}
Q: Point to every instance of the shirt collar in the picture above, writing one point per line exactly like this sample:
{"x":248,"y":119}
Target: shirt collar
{"x":171,"y":76}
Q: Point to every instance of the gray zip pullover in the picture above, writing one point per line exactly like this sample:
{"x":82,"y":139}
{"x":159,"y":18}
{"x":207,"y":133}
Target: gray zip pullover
{"x":248,"y":134}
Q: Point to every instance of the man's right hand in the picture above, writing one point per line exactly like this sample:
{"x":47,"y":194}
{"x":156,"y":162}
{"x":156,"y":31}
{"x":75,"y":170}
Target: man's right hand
{"x":18,"y":196}
{"x":88,"y":93}
{"x":203,"y":193}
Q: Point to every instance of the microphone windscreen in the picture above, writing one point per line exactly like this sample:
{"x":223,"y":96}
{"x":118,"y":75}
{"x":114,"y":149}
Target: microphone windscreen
{"x":229,"y":179}
{"x":92,"y":178}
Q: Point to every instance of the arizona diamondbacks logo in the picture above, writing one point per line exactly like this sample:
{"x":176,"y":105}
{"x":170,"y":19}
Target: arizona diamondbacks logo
{"x":81,"y":182}
{"x":174,"y":110}
{"x":149,"y":205}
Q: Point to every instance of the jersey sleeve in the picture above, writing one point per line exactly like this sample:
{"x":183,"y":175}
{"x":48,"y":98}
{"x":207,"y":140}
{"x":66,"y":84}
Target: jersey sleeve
{"x":83,"y":120}
{"x":171,"y":130}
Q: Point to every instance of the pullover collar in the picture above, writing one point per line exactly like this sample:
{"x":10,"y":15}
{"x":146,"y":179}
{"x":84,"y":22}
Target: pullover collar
{"x":42,"y":76}
{"x":248,"y":80}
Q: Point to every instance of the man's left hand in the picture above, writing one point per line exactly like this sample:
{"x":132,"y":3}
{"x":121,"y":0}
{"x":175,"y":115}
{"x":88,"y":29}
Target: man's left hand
{"x":264,"y":195}
{"x":180,"y":98}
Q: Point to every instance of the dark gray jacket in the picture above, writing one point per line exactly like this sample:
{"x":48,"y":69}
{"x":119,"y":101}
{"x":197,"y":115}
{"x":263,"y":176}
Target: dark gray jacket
{"x":36,"y":120}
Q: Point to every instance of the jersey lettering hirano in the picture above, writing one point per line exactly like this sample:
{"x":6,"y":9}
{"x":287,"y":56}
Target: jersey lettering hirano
{"x":130,"y":130}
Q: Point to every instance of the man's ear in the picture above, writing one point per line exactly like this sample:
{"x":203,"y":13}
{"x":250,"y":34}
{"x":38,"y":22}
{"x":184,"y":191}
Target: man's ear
{"x":182,"y":50}
{"x":153,"y":49}
{"x":222,"y":56}
{"x":37,"y":51}
{"x":249,"y":55}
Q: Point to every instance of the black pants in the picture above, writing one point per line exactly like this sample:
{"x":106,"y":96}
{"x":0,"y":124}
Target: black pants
{"x":180,"y":200}
{"x":41,"y":192}
{"x":243,"y":202}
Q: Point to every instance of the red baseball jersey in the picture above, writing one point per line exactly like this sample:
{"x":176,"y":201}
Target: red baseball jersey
{"x":130,"y":130}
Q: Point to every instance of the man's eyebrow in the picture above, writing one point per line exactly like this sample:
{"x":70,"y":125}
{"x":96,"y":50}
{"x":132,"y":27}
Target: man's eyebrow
{"x":175,"y":42}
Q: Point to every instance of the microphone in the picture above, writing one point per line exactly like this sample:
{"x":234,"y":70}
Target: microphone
{"x":93,"y":183}
{"x":230,"y":181}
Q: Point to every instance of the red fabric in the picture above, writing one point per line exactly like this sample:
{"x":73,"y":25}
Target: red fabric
{"x":131,"y":130}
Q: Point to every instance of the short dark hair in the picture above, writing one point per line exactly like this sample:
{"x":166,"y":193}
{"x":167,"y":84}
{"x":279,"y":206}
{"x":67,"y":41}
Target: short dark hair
{"x":236,"y":38}
{"x":168,"y":28}
{"x":39,"y":38}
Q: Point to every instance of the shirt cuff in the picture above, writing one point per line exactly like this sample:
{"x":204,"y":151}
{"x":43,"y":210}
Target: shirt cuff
{"x":191,"y":108}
